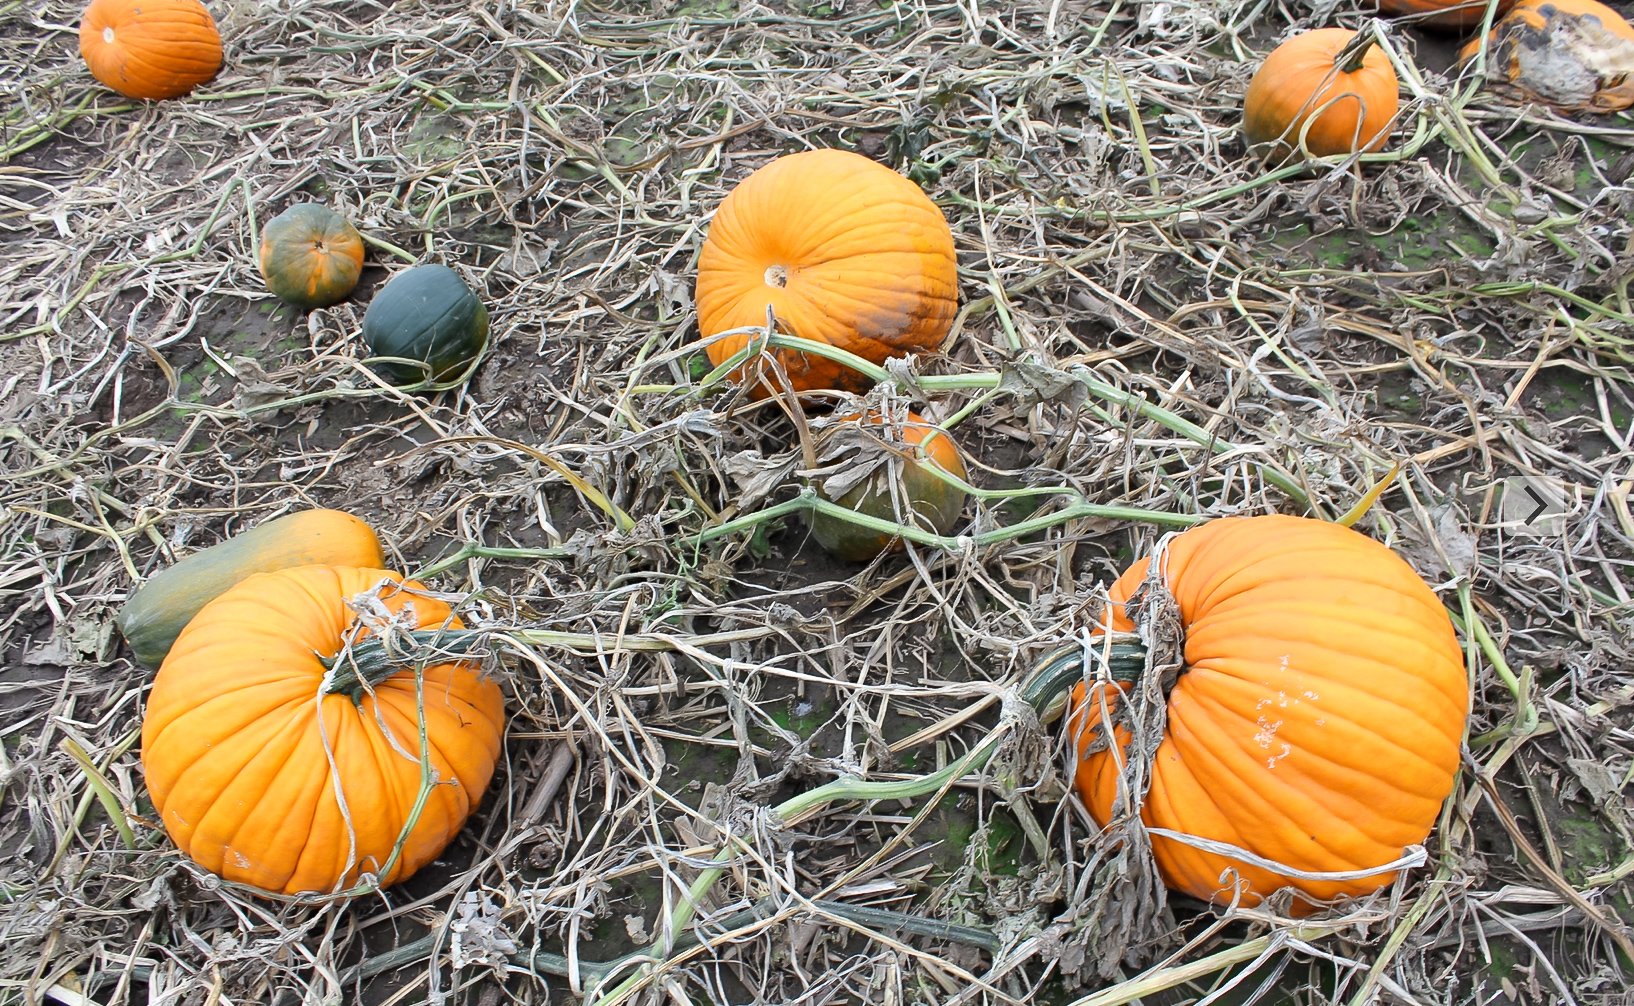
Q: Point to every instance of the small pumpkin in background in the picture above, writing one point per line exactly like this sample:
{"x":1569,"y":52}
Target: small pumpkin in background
{"x":901,"y":487}
{"x":1449,"y":14}
{"x":150,"y":48}
{"x":843,"y":251}
{"x":1316,"y":722}
{"x":310,"y":256}
{"x":157,"y":611}
{"x":1577,"y":55}
{"x":268,"y":769}
{"x":1321,"y":92}
{"x":426,"y":314}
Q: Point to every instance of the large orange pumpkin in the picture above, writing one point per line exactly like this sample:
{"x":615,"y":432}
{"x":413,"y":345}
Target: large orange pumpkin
{"x":843,"y":250}
{"x":150,"y":48}
{"x":1443,"y":13}
{"x":263,"y":776}
{"x":1319,"y":93}
{"x":1573,"y":54}
{"x":1318,"y":718}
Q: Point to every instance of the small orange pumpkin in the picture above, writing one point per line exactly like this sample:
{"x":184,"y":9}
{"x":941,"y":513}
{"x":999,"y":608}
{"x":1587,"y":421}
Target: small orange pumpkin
{"x":150,"y":48}
{"x":311,"y":256}
{"x":1573,"y":54}
{"x":902,"y":489}
{"x":1443,"y":13}
{"x":1322,"y":92}
{"x":843,"y":250}
{"x":1317,"y":720}
{"x":265,"y":775}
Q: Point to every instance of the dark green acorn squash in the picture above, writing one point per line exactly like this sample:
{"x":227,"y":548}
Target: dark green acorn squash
{"x":426,"y":313}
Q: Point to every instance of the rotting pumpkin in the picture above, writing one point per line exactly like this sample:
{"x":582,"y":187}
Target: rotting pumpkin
{"x":1577,"y":55}
{"x":1316,"y":722}
{"x":310,"y":256}
{"x":1321,"y":93}
{"x":901,"y":487}
{"x":270,"y":768}
{"x":841,"y":250}
{"x":150,"y":48}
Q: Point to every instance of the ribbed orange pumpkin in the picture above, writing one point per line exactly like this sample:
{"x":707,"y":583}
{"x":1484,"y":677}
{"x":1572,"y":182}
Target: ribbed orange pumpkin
{"x":150,"y":48}
{"x":1443,"y":13}
{"x":1309,"y":95}
{"x":1573,"y":54}
{"x":311,"y":256}
{"x":843,"y":250}
{"x":906,"y":492}
{"x":1318,"y":719}
{"x":263,"y":777}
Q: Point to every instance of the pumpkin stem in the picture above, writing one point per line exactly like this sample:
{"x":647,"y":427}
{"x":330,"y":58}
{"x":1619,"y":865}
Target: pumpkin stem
{"x":355,"y":670}
{"x":1351,"y":58}
{"x":1125,"y":662}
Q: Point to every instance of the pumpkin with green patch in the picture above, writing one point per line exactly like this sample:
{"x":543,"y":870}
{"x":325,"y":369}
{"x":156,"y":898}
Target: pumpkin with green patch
{"x":156,"y":612}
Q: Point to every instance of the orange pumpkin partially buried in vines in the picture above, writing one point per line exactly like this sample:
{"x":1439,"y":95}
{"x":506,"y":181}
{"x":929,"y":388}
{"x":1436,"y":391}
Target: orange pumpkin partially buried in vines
{"x":1316,"y":723}
{"x":1577,"y":55}
{"x":150,"y":48}
{"x":841,"y":250}
{"x":902,"y":488}
{"x":1321,"y":92}
{"x":272,"y":770}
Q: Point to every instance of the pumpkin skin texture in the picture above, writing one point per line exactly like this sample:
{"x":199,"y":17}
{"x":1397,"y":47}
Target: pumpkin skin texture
{"x":156,"y":612}
{"x":237,"y":736}
{"x":1450,"y":14}
{"x":843,"y":250}
{"x":934,"y":504}
{"x":311,"y":256}
{"x":426,"y":313}
{"x":1317,"y":722}
{"x":150,"y":48}
{"x":1301,"y":87}
{"x":1577,"y":55}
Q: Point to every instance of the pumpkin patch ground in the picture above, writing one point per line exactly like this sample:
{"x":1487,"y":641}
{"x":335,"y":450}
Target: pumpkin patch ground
{"x":734,"y":767}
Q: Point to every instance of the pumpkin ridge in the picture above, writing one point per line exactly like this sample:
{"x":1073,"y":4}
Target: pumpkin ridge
{"x":208,"y":718}
{"x":196,"y":801}
{"x":465,"y":711}
{"x":407,"y":733}
{"x":1336,"y":711}
{"x":1341,"y":790}
{"x":1317,"y":656}
{"x":260,"y":794}
{"x":1165,"y":812}
{"x":1219,"y":767}
{"x":289,"y":826}
{"x":387,"y":780}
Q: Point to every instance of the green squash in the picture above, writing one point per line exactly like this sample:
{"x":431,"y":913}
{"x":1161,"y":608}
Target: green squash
{"x":157,"y":611}
{"x":426,"y":313}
